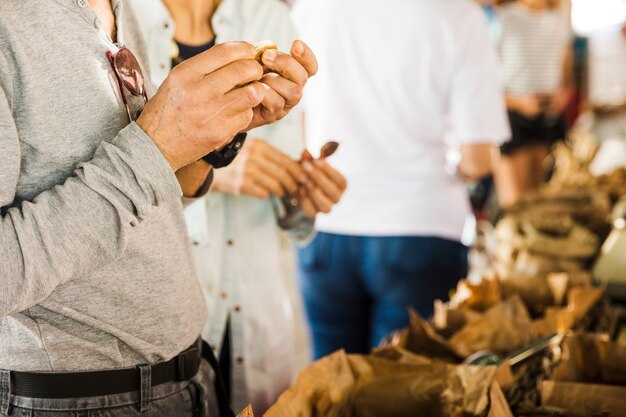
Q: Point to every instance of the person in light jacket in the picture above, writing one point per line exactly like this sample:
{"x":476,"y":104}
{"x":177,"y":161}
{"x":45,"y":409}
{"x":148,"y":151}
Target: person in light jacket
{"x":240,"y":253}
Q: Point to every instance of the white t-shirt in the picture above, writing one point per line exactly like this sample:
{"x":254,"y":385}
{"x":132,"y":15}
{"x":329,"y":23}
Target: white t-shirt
{"x":395,"y":79}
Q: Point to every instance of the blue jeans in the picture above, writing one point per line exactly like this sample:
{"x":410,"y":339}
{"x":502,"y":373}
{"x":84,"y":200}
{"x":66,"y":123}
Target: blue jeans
{"x":357,"y":290}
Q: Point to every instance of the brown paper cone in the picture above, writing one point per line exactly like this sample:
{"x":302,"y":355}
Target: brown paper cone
{"x":580,"y":302}
{"x":503,"y":329}
{"x":323,"y":389}
{"x":374,"y":386}
{"x":247,"y":412}
{"x":421,"y":339}
{"x":592,"y":358}
{"x":499,"y":406}
{"x":584,"y":399}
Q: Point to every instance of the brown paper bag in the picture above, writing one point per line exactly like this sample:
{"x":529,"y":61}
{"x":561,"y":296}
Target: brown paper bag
{"x":402,"y":356}
{"x":560,"y":319}
{"x":476,"y":296}
{"x":420,"y":338}
{"x":247,"y":412}
{"x":591,"y":358}
{"x":503,"y":329}
{"x":534,"y":291}
{"x":584,"y":399}
{"x":449,"y":320}
{"x":386,"y":388}
{"x":373,"y":386}
{"x":498,"y":404}
{"x":324,"y":388}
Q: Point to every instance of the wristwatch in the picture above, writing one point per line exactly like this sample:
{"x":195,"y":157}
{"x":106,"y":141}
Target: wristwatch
{"x":223,"y":157}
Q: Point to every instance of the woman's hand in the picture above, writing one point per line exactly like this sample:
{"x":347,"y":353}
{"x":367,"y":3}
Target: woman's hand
{"x":323,"y":189}
{"x":259,"y":171}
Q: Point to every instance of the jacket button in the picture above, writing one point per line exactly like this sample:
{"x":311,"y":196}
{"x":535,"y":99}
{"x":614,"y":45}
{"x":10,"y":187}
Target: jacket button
{"x":224,"y":296}
{"x":230,"y":242}
{"x":237,"y":309}
{"x":239,"y":360}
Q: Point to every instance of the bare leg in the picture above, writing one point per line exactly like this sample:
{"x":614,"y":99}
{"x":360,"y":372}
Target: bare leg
{"x":515,"y":175}
{"x":540,"y":154}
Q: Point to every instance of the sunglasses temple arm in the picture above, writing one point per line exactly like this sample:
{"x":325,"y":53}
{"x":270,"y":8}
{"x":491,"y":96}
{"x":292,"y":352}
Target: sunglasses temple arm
{"x":120,"y":84}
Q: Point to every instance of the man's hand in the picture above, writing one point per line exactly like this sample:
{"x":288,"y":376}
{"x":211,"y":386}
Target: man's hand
{"x":260,"y":171}
{"x":323,"y":189}
{"x":204,"y":103}
{"x":287,"y":76}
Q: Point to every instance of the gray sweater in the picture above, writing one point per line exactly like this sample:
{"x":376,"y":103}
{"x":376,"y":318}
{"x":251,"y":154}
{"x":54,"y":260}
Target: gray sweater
{"x":95,"y":265}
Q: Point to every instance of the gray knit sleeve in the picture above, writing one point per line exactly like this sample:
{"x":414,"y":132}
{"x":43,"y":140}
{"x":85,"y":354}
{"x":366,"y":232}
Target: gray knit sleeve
{"x":80,"y":225}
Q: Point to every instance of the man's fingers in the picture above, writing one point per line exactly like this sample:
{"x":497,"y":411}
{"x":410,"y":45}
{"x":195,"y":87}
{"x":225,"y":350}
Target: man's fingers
{"x":273,"y":102}
{"x":286,"y":66}
{"x":232,"y":76}
{"x":305,"y":56}
{"x":246,"y":97}
{"x":217,"y":57}
{"x":289,"y":90}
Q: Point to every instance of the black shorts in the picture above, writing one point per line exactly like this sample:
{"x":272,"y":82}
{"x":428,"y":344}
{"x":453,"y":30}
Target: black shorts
{"x":525,"y":131}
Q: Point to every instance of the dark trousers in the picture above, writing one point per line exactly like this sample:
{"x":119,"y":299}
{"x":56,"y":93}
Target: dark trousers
{"x":357,"y":290}
{"x":194,"y":398}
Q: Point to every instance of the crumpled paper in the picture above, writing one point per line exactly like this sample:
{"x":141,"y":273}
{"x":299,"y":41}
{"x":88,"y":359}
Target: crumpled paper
{"x":544,"y":291}
{"x":554,"y":237}
{"x":538,"y":292}
{"x":421,"y":338}
{"x":502,"y":329}
{"x":499,"y":407}
{"x":580,"y":301}
{"x":247,"y":412}
{"x":584,"y":399}
{"x":376,"y":386}
{"x":477,"y":296}
{"x":592,"y":358}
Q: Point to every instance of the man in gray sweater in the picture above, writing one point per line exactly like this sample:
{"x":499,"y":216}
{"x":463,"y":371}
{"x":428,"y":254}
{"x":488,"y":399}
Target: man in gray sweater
{"x":99,"y":303}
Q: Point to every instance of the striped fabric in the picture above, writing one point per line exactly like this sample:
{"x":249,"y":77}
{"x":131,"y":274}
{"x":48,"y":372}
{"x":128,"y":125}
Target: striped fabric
{"x":532,"y":46}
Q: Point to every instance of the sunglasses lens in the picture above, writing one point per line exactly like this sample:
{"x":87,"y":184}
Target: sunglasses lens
{"x":129,"y":71}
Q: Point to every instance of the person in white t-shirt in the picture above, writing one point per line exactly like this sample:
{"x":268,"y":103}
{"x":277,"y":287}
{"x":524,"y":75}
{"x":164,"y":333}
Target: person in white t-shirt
{"x":395,"y":79}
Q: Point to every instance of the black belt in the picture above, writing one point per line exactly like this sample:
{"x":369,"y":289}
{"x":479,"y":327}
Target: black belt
{"x":57,"y":385}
